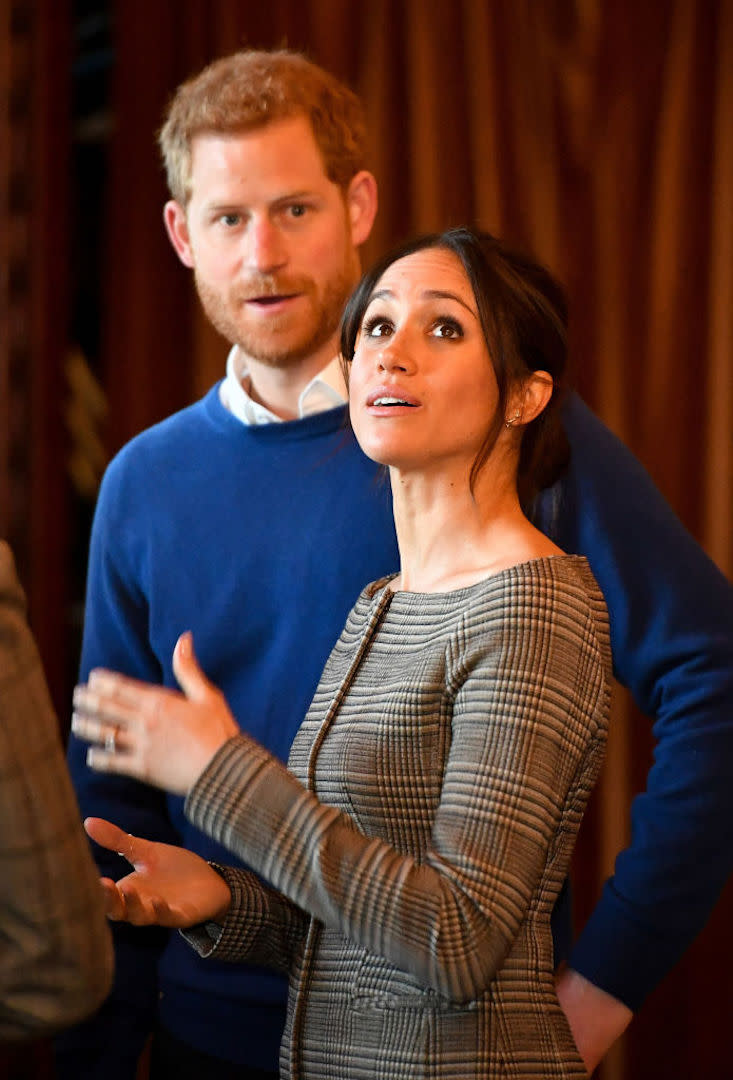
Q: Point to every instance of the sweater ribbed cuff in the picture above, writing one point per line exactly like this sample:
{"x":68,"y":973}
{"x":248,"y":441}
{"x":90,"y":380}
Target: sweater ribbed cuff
{"x":639,"y":960}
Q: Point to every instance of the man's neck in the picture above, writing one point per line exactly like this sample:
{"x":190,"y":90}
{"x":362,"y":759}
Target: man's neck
{"x":279,"y":388}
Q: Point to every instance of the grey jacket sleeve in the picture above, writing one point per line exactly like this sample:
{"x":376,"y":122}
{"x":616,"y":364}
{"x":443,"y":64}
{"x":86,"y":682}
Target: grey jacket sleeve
{"x":261,"y":926}
{"x":55,"y":947}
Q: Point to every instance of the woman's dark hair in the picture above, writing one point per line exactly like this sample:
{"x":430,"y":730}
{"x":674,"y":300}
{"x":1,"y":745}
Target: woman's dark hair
{"x":523,"y":316}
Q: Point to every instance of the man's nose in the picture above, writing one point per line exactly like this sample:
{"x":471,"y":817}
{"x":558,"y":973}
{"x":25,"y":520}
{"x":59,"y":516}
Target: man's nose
{"x":266,"y":251}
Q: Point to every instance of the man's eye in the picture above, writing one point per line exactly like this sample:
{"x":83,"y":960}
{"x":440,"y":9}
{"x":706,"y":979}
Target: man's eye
{"x":298,"y":210}
{"x":378,"y":327}
{"x":230,"y":220}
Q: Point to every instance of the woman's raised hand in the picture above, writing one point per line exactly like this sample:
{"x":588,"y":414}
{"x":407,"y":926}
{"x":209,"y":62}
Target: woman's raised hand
{"x":169,"y":886}
{"x":161,"y":736}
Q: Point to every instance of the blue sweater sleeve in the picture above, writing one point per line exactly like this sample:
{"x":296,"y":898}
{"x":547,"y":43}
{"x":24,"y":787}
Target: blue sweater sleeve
{"x":116,"y":636}
{"x":671,"y":615}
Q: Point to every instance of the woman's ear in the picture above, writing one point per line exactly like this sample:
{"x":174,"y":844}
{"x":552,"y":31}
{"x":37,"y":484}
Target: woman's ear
{"x":533,"y":397}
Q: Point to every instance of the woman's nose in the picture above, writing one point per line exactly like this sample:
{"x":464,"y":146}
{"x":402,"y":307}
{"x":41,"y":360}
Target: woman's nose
{"x":394,"y":356}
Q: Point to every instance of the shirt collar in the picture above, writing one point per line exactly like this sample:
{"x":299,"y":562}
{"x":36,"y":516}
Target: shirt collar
{"x":326,"y":390}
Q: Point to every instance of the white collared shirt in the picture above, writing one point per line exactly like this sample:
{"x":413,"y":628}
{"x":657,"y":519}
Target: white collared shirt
{"x":326,"y":390}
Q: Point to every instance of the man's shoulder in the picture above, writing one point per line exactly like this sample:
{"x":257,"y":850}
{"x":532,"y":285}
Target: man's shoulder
{"x":193,"y":418}
{"x":147,"y":466}
{"x":584,"y":427}
{"x":163,"y":440}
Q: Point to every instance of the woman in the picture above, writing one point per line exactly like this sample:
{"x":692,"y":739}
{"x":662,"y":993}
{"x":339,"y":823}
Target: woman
{"x":417,"y":843}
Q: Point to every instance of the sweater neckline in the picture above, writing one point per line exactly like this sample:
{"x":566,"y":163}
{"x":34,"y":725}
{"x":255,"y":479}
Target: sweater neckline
{"x":464,"y":592}
{"x":307,"y":427}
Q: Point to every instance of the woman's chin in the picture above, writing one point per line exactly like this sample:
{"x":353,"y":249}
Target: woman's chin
{"x":390,"y":456}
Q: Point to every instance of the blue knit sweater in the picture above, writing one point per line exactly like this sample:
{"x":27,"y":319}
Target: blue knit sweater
{"x":259,"y":539}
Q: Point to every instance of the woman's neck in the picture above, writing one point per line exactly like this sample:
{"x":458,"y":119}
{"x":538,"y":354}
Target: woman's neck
{"x":450,"y":538}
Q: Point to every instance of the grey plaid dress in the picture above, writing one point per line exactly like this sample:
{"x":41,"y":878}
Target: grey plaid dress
{"x":418,"y":840}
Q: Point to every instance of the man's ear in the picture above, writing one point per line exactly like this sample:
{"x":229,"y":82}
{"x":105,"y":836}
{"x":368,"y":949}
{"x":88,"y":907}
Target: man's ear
{"x":534,"y":396}
{"x":176,"y":226}
{"x":361,"y":206}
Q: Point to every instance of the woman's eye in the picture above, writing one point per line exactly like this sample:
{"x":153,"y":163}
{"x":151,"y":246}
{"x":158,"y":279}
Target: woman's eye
{"x":230,"y":220}
{"x":378,"y":327}
{"x":447,"y":328}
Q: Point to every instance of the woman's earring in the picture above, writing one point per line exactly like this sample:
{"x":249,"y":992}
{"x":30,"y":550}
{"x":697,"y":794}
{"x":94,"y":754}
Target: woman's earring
{"x":512,"y":420}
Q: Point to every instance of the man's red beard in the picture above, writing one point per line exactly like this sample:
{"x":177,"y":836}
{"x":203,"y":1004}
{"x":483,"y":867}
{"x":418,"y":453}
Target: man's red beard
{"x":284,"y":337}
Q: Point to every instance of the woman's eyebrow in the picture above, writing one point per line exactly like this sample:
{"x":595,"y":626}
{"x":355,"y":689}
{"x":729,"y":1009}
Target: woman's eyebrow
{"x":441,"y":294}
{"x":427,"y":294}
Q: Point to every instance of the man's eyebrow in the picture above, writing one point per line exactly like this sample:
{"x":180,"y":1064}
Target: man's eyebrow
{"x":304,"y":193}
{"x":293,"y":196}
{"x":224,"y":204}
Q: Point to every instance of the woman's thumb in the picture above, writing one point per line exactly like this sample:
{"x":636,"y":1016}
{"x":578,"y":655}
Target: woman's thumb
{"x":191,"y":678}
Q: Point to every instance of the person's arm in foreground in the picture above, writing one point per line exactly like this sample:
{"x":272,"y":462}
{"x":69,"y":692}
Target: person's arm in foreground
{"x":671,"y":616}
{"x":56,"y":952}
{"x":116,"y":633}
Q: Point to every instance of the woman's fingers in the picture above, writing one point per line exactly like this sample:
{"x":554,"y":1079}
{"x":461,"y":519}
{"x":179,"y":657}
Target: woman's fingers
{"x":140,"y":910}
{"x":115,"y":759}
{"x":118,"y":716}
{"x":112,"y":686}
{"x":128,"y":901}
{"x":114,"y":903}
{"x":117,"y":701}
{"x":112,"y":837}
{"x":113,"y":738}
{"x":112,"y":719}
{"x":103,"y":704}
{"x":97,"y":703}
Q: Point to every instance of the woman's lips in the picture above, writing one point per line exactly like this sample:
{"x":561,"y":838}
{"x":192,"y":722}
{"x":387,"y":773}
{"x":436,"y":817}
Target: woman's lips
{"x":385,"y":399}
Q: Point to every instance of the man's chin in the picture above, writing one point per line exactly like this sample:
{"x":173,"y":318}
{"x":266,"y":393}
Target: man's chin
{"x":275,"y":354}
{"x":276,"y":347}
{"x":282,"y":349}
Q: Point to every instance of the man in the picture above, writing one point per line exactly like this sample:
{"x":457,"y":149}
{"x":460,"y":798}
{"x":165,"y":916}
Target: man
{"x":252,"y":519}
{"x":55,"y":946}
